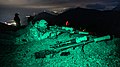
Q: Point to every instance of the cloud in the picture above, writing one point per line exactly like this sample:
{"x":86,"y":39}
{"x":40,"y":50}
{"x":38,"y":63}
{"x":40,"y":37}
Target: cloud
{"x":52,"y":2}
{"x":13,"y":2}
{"x":61,"y":3}
{"x":95,"y":6}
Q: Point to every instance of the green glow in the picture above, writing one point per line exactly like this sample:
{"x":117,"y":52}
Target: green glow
{"x":41,"y":23}
{"x":99,"y":53}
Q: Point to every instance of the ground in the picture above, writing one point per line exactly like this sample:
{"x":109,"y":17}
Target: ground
{"x":95,"y":54}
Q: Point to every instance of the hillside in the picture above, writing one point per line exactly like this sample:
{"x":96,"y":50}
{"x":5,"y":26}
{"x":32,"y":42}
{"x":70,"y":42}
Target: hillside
{"x":58,"y":47}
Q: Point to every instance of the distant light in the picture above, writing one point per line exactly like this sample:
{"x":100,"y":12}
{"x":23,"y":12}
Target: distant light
{"x":84,"y":29}
{"x":44,"y":11}
{"x":34,"y":14}
{"x":27,"y":16}
{"x":5,"y":22}
{"x":64,"y":8}
{"x":55,"y":11}
{"x":11,"y":22}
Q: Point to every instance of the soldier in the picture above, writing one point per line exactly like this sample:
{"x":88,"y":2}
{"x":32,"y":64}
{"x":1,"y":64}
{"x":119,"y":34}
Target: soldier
{"x":17,"y":19}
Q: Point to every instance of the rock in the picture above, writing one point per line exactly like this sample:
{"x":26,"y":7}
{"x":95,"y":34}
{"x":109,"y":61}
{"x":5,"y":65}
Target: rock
{"x":65,"y":54}
{"x":24,"y":40}
{"x":43,"y":53}
{"x":39,"y":55}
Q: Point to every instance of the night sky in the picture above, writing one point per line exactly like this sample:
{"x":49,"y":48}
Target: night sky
{"x":107,"y":4}
{"x":9,"y":7}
